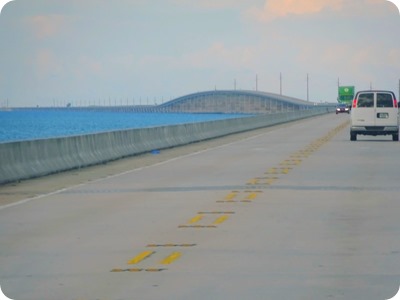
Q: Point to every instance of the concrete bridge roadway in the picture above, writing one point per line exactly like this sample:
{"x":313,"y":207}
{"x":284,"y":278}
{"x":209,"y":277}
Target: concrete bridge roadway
{"x":296,"y":212}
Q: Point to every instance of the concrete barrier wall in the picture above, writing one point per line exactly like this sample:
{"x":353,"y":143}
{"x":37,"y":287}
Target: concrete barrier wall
{"x":28,"y":159}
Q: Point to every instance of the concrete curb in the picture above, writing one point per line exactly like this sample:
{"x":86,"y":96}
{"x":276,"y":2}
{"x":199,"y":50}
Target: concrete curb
{"x":29,"y":159}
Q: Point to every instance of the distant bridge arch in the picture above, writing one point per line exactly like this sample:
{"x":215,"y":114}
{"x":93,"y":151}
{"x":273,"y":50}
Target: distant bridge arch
{"x":234,"y":101}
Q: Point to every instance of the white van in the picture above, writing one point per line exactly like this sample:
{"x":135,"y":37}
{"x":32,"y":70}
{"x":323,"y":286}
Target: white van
{"x":374,"y":113}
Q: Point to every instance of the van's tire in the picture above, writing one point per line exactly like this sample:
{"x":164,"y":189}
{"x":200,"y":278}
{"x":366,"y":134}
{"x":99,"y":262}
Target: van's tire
{"x":395,"y":137}
{"x":353,"y":136}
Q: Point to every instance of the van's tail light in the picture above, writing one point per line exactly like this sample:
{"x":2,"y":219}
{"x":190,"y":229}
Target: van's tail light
{"x":395,"y":103}
{"x":355,"y":103}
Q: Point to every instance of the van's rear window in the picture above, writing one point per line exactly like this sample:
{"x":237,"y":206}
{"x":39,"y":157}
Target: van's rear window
{"x":365,"y":100}
{"x":384,"y":100}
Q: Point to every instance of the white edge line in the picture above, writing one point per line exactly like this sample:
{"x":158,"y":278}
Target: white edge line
{"x":123,"y":173}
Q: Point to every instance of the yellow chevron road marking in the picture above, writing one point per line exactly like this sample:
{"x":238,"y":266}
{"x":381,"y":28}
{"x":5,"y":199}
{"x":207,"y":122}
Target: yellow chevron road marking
{"x":171,"y":258}
{"x":220,"y":220}
{"x":140,"y":257}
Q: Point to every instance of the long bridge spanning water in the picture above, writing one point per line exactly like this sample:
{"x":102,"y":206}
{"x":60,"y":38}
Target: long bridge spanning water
{"x":232,"y":101}
{"x":224,"y":101}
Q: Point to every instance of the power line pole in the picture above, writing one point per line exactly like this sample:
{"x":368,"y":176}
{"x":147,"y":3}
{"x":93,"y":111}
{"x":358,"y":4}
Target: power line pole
{"x":338,"y":86}
{"x":280,"y":83}
{"x":308,"y":98}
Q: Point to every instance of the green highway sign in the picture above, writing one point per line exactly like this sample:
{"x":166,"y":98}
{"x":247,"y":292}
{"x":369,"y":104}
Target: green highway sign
{"x":346,"y":94}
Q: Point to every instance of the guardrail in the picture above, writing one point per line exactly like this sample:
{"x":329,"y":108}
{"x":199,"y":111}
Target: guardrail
{"x":29,"y":159}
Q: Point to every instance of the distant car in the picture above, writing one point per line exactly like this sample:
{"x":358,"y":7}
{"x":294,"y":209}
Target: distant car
{"x":342,"y":108}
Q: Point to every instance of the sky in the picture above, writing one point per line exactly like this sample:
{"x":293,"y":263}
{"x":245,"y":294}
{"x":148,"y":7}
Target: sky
{"x":101,"y":52}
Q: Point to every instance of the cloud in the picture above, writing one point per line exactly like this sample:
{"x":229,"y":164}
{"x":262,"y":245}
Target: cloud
{"x":87,"y":67}
{"x":45,"y":26}
{"x":217,"y":55}
{"x":393,"y":57}
{"x":274,"y":9}
{"x":212,"y":4}
{"x":46,"y":63}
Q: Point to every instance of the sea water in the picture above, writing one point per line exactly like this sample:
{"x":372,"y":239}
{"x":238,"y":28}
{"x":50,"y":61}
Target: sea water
{"x":31,"y":124}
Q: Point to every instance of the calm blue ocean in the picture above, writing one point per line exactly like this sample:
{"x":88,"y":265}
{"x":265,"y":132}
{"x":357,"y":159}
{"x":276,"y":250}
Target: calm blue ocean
{"x":34,"y":124}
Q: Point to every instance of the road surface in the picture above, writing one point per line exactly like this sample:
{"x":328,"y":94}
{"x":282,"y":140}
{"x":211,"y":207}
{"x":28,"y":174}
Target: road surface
{"x":297,"y":212}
